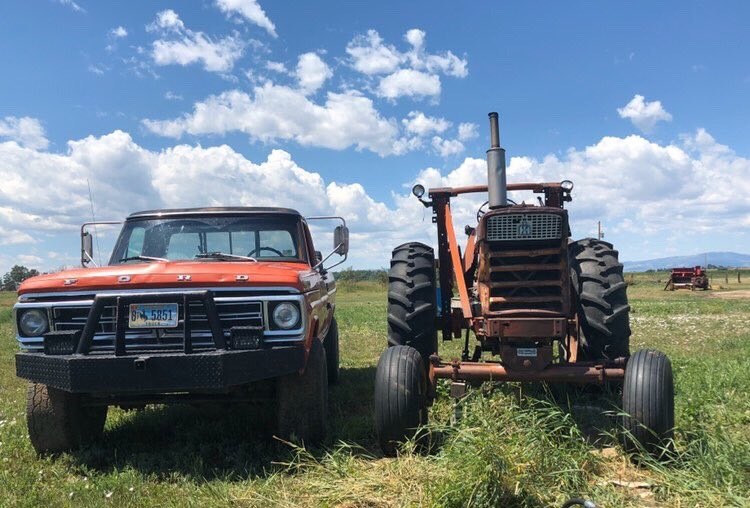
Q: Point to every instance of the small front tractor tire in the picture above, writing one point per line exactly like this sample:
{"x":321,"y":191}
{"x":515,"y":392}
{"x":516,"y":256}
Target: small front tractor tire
{"x":331,"y":345}
{"x":58,"y":422}
{"x":400,"y":397}
{"x":302,"y":400}
{"x":411,"y":299}
{"x":603,"y":310}
{"x":648,"y":403}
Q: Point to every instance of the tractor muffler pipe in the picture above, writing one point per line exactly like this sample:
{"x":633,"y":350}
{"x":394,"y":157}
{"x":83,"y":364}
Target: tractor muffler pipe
{"x":496,"y":181}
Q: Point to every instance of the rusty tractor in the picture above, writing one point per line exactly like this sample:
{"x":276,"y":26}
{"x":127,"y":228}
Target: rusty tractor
{"x":687,"y":278}
{"x":542,"y":307}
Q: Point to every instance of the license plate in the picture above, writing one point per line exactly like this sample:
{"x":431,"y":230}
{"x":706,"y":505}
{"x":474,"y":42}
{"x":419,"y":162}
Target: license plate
{"x":529,"y":352}
{"x":153,"y":315}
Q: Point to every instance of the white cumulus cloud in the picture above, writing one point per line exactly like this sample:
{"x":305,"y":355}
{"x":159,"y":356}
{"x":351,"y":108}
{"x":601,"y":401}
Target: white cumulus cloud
{"x":118,"y":32}
{"x":312,"y":72}
{"x":644,"y":115}
{"x":413,"y":72}
{"x":274,"y":112}
{"x":26,"y":131}
{"x":181,"y":46}
{"x":422,"y":125}
{"x":408,"y":82}
{"x":249,"y":10}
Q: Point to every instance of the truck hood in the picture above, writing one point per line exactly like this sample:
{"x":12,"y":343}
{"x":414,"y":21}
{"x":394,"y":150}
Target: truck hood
{"x":173,"y":274}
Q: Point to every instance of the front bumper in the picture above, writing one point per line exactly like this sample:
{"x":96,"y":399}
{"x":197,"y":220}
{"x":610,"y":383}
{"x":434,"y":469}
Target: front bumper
{"x":110,"y":374}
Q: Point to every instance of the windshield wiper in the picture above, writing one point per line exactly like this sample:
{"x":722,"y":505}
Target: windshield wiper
{"x":142,"y":258}
{"x":223,"y":255}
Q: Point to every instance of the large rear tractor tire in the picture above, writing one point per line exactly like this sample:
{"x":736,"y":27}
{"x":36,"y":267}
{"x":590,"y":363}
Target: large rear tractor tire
{"x":331,"y":345}
{"x":59,"y":422}
{"x":400,"y":397}
{"x":603,"y":310}
{"x":648,"y":403}
{"x":302,"y":400}
{"x":411,"y":299}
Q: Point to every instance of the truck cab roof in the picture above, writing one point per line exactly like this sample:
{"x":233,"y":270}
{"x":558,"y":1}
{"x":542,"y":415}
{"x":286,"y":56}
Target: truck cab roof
{"x":213,"y":210}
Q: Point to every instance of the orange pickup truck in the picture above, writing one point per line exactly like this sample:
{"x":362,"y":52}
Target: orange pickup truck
{"x":195,"y":305}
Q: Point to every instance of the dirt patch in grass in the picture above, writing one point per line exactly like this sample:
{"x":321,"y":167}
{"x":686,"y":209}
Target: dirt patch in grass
{"x":732,"y":295}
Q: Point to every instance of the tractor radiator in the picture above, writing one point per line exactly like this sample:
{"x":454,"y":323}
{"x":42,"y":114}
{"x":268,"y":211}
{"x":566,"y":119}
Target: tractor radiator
{"x":517,"y":226}
{"x":523,"y":278}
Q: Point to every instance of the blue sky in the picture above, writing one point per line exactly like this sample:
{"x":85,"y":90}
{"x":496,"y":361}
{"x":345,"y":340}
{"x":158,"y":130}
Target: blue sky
{"x":338,"y":107}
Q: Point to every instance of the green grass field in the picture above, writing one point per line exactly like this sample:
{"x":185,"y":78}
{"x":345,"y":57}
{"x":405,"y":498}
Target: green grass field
{"x":515,"y":445}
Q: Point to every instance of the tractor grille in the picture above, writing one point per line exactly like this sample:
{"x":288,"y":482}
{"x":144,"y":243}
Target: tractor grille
{"x":510,"y":227}
{"x":527,"y":278}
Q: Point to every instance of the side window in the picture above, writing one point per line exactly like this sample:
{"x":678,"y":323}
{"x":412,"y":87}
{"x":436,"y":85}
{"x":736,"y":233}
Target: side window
{"x":135,"y":242}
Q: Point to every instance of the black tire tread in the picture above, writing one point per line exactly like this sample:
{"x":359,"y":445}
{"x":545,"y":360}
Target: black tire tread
{"x":58,"y":422}
{"x":603,"y":310}
{"x":400,"y":396}
{"x":648,"y":402}
{"x":331,"y":346}
{"x":411,"y":299}
{"x":302,"y":400}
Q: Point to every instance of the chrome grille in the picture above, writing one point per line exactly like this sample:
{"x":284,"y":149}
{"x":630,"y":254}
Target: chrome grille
{"x":537,"y":226}
{"x":230,"y":314}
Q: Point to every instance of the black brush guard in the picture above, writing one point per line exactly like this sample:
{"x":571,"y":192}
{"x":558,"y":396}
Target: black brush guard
{"x":118,"y":372}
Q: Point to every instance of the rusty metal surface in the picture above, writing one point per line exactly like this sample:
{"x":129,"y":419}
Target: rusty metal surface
{"x":542,"y":328}
{"x":486,"y":371}
{"x":470,"y":189}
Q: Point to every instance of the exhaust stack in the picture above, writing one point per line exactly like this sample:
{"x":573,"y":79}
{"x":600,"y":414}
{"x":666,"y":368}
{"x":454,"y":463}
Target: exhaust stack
{"x":496,"y":183}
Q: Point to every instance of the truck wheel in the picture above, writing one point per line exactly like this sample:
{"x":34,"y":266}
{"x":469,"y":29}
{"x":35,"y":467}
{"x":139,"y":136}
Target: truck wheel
{"x":302,"y":400}
{"x":57,"y":421}
{"x":648,"y":402}
{"x":411,"y":299}
{"x":400,"y":397}
{"x":603,"y":310}
{"x":331,"y":345}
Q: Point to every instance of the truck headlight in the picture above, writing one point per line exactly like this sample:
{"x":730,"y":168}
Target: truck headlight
{"x":33,"y":322}
{"x":286,"y":315}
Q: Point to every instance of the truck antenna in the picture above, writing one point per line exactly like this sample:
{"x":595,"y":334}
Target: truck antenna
{"x":93,"y":218}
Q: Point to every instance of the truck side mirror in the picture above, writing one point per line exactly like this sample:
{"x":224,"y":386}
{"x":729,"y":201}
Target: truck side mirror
{"x":341,"y":240}
{"x":87,"y":248}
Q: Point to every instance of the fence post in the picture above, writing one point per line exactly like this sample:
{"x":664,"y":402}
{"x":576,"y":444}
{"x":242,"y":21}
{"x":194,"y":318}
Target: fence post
{"x":739,"y":281}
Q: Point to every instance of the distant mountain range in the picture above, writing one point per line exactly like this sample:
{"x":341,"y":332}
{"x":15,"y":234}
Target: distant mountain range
{"x":728,"y":259}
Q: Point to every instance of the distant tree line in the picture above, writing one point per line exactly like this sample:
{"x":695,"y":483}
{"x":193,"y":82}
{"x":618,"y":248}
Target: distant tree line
{"x":350,"y":275}
{"x":16,"y":276}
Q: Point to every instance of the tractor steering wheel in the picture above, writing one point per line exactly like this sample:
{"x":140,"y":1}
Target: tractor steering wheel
{"x":482,"y":211}
{"x":258,"y":250}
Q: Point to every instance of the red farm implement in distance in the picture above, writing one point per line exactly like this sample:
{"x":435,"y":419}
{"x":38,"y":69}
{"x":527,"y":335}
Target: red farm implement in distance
{"x":687,"y":278}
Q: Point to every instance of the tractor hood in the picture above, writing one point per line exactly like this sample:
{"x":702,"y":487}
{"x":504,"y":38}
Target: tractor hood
{"x":173,"y":274}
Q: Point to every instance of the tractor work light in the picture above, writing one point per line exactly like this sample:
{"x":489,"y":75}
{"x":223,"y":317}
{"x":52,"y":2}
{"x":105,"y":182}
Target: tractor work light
{"x":33,"y":322}
{"x":418,"y":190}
{"x":566,"y":185}
{"x":286,"y":315}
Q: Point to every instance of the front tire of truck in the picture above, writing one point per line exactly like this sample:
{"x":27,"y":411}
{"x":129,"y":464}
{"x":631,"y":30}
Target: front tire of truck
{"x":411,"y":299}
{"x":331,"y":345}
{"x":603,"y":310}
{"x":58,"y":422}
{"x":302,"y":400}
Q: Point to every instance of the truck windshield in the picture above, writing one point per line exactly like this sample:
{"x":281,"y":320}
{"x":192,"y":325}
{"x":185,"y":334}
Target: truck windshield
{"x":209,"y":238}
